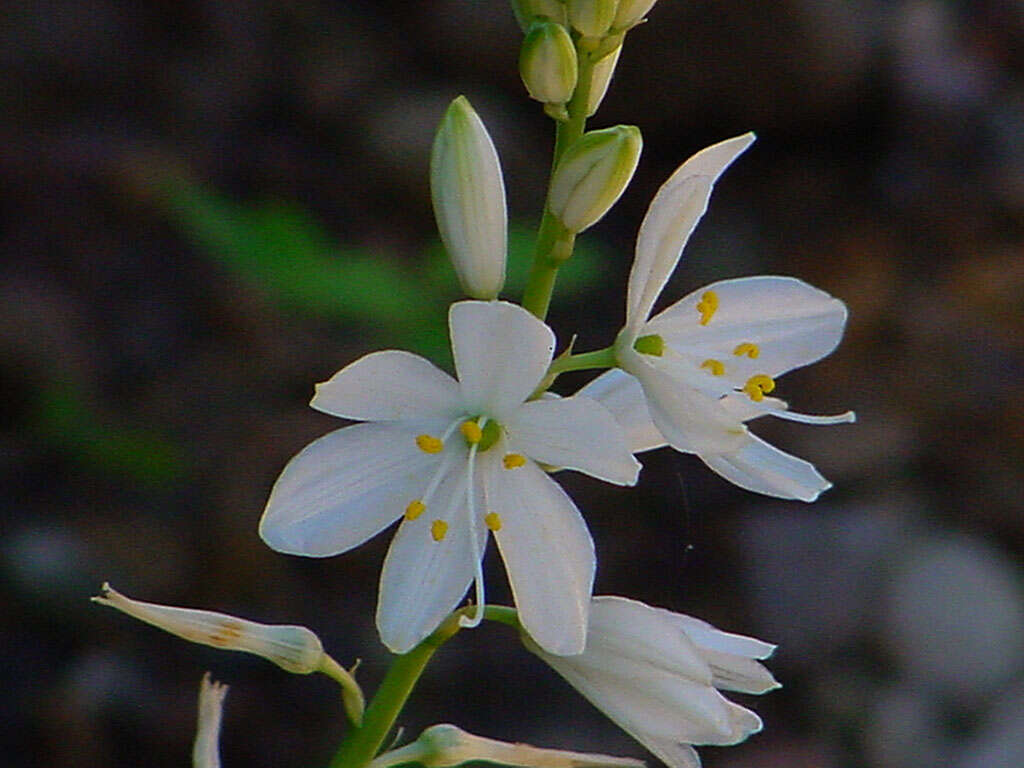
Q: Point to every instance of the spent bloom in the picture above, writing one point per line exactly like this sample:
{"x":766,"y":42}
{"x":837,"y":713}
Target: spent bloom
{"x":455,"y":460}
{"x":205,"y":749}
{"x":698,"y":370}
{"x":657,"y":675}
{"x":446,"y":745}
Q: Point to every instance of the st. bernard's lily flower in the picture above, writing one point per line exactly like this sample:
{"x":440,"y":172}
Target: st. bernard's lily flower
{"x":657,"y":674}
{"x":702,"y":367}
{"x":454,"y":460}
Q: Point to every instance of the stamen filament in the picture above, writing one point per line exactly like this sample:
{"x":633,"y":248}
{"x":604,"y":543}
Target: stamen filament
{"x":478,"y":612}
{"x":805,"y":418}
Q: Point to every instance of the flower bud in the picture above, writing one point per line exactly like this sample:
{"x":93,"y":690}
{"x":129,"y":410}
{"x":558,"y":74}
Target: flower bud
{"x":205,"y":752}
{"x":592,"y":174}
{"x":469,"y":200}
{"x":630,"y":13}
{"x":529,"y":11}
{"x":600,"y":79}
{"x":445,"y":746}
{"x":547,"y":63}
{"x":592,"y":18}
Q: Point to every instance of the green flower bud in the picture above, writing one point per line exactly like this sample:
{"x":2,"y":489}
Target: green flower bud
{"x":529,"y":11}
{"x":469,"y":200}
{"x":630,"y":13}
{"x":600,"y":79}
{"x":592,"y":175}
{"x":547,"y":63}
{"x":592,"y":18}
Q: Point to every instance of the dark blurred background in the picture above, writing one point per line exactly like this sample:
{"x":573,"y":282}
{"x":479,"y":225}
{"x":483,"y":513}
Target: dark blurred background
{"x":206,"y":207}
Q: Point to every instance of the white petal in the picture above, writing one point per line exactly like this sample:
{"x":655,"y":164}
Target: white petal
{"x":547,"y":550}
{"x":346,"y":487}
{"x":690,"y":420}
{"x":389,"y":386}
{"x":622,"y":394}
{"x":576,"y":433}
{"x":501,"y":354}
{"x":792,"y":323}
{"x":763,"y":468}
{"x":671,"y":218}
{"x":424,"y":580}
{"x":708,"y":637}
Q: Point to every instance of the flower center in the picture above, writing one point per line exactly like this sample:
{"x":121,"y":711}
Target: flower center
{"x":652,"y":345}
{"x":481,"y":437}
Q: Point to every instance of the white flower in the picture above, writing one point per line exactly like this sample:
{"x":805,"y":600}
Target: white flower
{"x":446,"y":745}
{"x":205,"y":752}
{"x":455,"y":459}
{"x":656,"y":674}
{"x":702,"y":367}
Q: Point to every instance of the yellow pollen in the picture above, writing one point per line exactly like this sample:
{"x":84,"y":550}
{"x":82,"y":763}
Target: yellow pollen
{"x":493,"y":520}
{"x":748,"y":349}
{"x":513,"y":460}
{"x":758,"y":386}
{"x":471,"y":431}
{"x":415,"y":509}
{"x":706,"y":306}
{"x":715,"y":366}
{"x":438,"y":529}
{"x":429,"y":444}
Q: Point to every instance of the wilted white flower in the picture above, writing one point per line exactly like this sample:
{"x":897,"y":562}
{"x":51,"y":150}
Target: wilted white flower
{"x":445,"y":745}
{"x":600,"y":79}
{"x":469,"y":200}
{"x":702,"y":367}
{"x":657,"y":674}
{"x":205,"y":750}
{"x":454,"y":460}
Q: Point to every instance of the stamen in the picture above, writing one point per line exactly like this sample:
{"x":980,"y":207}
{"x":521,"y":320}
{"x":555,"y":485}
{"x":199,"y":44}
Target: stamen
{"x":493,"y":520}
{"x":471,"y":431}
{"x":758,"y":386}
{"x":715,"y":366}
{"x":429,"y":444}
{"x":805,"y":418}
{"x":478,"y":614}
{"x":513,"y":460}
{"x":747,"y":348}
{"x":415,"y":509}
{"x":438,"y":529}
{"x":706,"y":306}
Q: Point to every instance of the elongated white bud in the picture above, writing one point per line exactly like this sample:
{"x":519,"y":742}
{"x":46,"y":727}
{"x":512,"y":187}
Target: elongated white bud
{"x":630,"y":13}
{"x":592,"y":175}
{"x":592,"y":18}
{"x":293,"y":648}
{"x":469,"y":200}
{"x":547,"y":63}
{"x":445,"y":745}
{"x":600,"y":79}
{"x":205,"y":749}
{"x":529,"y":11}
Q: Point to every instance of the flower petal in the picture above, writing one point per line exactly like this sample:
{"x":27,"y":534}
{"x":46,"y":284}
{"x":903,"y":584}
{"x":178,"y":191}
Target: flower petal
{"x":790,"y":323}
{"x":346,"y":487}
{"x":501,"y":353}
{"x":575,"y":433}
{"x":389,"y":386}
{"x":763,"y":468}
{"x":547,"y":550}
{"x":622,"y":394}
{"x":423,"y":580}
{"x":671,"y":218}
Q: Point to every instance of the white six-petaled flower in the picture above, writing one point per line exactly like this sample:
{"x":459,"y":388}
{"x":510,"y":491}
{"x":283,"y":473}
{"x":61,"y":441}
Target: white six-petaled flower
{"x":657,"y":674}
{"x":695,"y":372}
{"x":454,"y":460}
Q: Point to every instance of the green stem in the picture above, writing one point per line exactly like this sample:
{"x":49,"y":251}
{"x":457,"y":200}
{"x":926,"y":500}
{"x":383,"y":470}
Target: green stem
{"x":599,"y":358}
{"x":554,"y":244}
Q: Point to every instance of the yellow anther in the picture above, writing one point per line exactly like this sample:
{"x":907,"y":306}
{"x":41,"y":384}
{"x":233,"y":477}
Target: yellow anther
{"x":748,"y":349}
{"x":513,"y":460}
{"x":429,"y":444}
{"x":758,"y":386}
{"x":438,"y":529}
{"x":415,"y":509}
{"x":471,"y":431}
{"x":493,"y":520}
{"x":715,"y":366}
{"x":706,"y":306}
